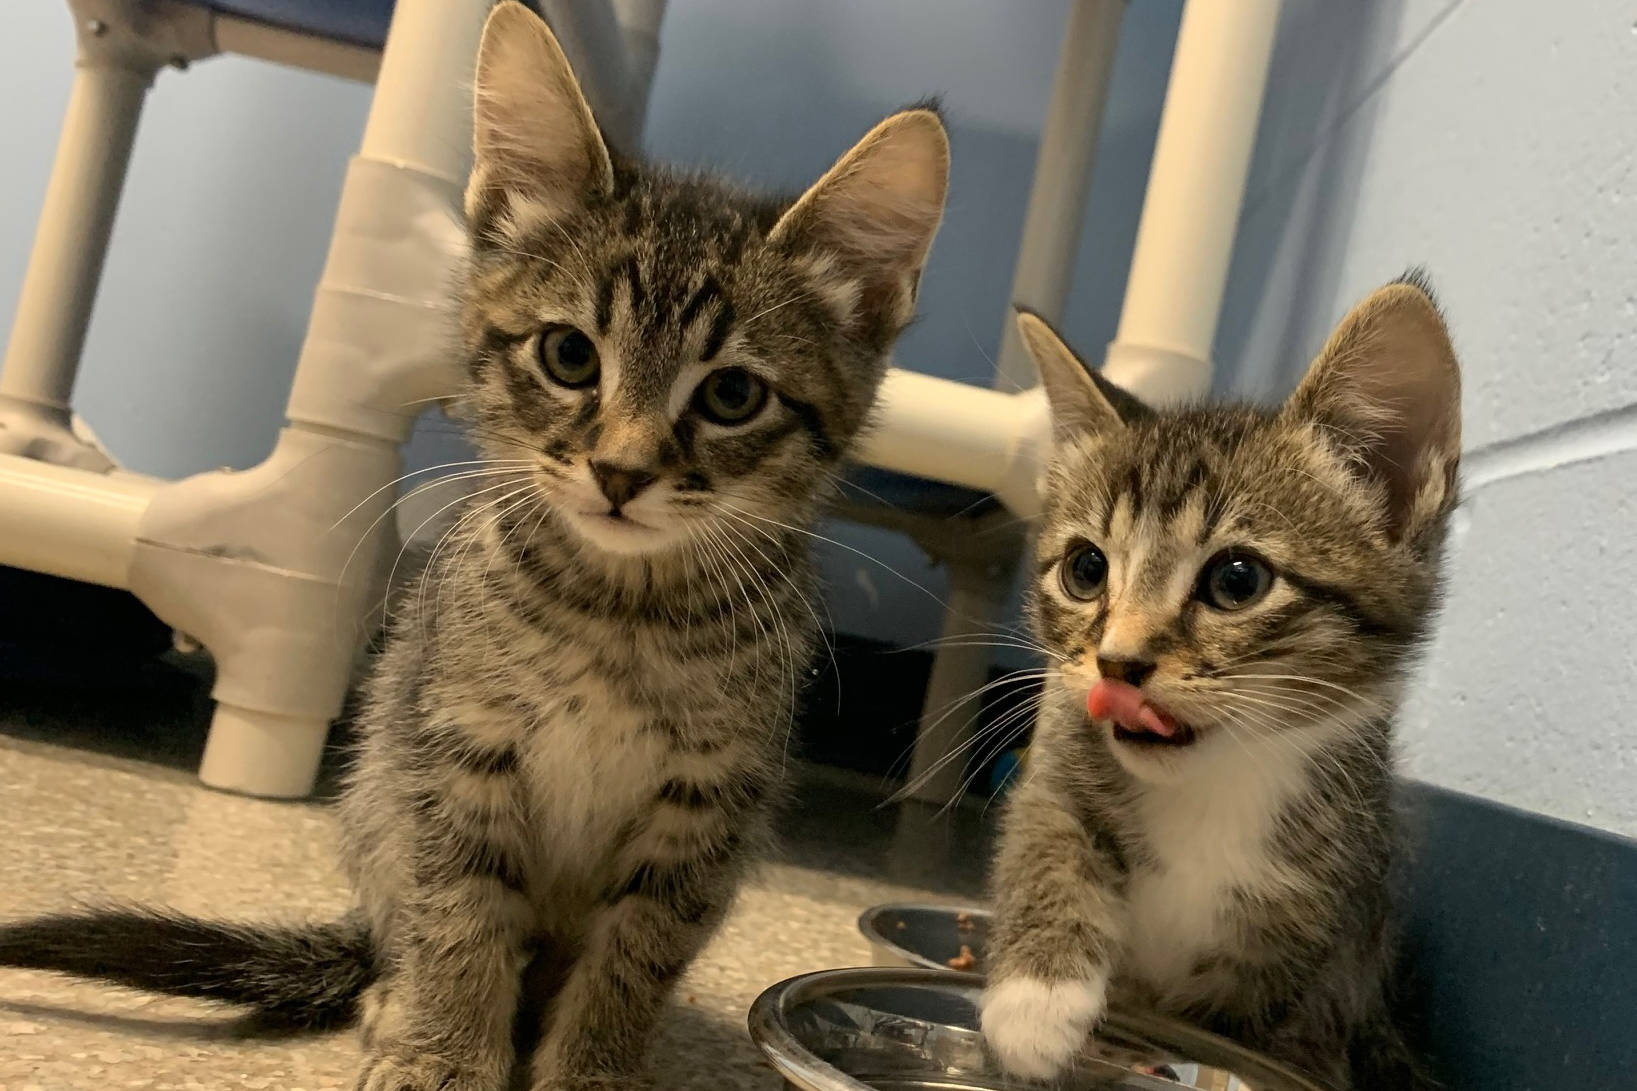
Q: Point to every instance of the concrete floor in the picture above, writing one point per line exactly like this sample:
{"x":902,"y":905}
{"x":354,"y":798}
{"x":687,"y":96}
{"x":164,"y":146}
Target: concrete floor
{"x":99,"y":803}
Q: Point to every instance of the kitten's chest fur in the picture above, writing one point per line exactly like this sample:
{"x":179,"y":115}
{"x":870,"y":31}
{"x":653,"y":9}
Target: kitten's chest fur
{"x":1206,"y":854}
{"x":609,"y":719}
{"x":588,"y":772}
{"x":584,"y":734}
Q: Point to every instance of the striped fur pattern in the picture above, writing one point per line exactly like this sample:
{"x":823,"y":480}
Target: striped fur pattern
{"x":574,"y":732}
{"x":1235,"y":872}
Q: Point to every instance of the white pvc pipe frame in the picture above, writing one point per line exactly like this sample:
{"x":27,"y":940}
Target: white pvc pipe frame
{"x":978,"y":585}
{"x":275,"y":568}
{"x":1162,"y":352}
{"x":264,"y":567}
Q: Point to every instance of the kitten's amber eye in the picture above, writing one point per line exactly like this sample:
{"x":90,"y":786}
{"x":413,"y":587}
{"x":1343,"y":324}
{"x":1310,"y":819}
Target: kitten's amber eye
{"x":1231,"y":582}
{"x":1084,"y":572}
{"x":730,"y":396}
{"x":569,"y":358}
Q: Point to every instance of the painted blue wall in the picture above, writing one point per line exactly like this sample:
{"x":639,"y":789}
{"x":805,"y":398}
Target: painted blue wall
{"x":1495,"y":142}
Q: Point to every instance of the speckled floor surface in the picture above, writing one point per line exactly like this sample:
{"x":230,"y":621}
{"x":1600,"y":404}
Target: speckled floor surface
{"x":81,"y":819}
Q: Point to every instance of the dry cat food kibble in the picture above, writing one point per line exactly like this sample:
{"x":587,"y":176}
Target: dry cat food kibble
{"x":963,"y":922}
{"x":966,"y":960}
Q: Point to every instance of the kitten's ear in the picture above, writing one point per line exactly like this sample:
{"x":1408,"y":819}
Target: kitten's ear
{"x":1387,"y":389}
{"x":1082,"y":401}
{"x":877,"y":210}
{"x":533,"y":137}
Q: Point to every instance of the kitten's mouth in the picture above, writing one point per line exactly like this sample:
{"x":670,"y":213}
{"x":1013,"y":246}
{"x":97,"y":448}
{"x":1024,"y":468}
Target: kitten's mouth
{"x":616,"y":532}
{"x":1136,"y":720}
{"x":614,"y":518}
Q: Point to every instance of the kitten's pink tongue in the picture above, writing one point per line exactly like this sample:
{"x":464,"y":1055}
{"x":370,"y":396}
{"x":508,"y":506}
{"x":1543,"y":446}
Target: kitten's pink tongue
{"x":1125,"y":705}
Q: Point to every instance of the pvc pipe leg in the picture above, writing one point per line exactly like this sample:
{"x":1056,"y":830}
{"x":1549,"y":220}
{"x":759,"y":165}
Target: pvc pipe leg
{"x":275,"y":570}
{"x":421,"y":116}
{"x":960,"y":669}
{"x":640,"y":22}
{"x":70,"y":242}
{"x":1062,"y":178}
{"x":1179,"y":268}
{"x":262,"y":753}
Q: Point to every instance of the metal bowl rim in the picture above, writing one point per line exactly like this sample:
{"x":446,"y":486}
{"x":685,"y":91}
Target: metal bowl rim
{"x":867,"y":919}
{"x":787,"y":1053}
{"x":794,"y":1060}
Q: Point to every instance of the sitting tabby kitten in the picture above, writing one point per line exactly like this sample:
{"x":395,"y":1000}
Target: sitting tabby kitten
{"x":1235,"y":596}
{"x":573,"y":731}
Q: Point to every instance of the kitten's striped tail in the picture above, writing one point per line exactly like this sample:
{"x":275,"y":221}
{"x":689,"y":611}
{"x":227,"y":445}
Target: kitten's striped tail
{"x":301,"y":978}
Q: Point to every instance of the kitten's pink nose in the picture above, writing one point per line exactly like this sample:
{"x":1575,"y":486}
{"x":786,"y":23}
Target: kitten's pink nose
{"x":620,"y":484}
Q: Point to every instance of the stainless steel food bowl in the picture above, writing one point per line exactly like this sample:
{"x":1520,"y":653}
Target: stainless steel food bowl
{"x":915,"y":1029}
{"x":903,"y":934}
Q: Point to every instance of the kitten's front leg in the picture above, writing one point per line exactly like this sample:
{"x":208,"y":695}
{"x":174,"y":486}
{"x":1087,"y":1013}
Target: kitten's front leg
{"x":1055,"y":936}
{"x":678,"y":886}
{"x":448,"y":997}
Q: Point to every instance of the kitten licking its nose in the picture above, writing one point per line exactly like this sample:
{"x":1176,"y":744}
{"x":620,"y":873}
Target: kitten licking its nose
{"x":1232,"y":597}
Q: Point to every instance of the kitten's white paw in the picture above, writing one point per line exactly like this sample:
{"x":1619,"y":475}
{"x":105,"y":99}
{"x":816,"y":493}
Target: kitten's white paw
{"x":1034,"y":1027}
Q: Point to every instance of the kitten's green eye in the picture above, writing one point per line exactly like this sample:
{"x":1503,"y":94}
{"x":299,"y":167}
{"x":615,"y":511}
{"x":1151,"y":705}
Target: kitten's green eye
{"x":569,"y":358}
{"x":730,"y":396}
{"x":1084,"y":572}
{"x":1232,"y":582}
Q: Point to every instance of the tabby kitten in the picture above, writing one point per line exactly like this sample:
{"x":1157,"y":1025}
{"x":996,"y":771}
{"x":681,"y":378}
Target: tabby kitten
{"x":572,"y":734}
{"x":1233,"y":597}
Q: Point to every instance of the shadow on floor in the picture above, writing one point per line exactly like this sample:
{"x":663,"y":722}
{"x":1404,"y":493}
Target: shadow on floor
{"x":157,"y":710}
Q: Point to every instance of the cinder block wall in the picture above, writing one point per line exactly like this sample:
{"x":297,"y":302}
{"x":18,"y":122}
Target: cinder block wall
{"x":1495,"y":142}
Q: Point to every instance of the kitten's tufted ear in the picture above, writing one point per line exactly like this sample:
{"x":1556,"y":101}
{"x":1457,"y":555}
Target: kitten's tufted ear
{"x":1387,"y":390}
{"x":534,"y":140}
{"x":877,"y":210}
{"x":1082,"y":401}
